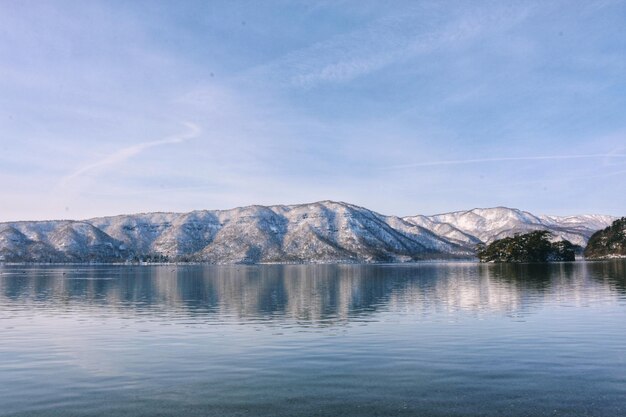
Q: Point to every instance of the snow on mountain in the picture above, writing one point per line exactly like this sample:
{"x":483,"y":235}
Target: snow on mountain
{"x":57,"y":241}
{"x":15,"y":246}
{"x":319,"y":232}
{"x":489,"y":224}
{"x":585,"y":221}
{"x":324,"y":231}
{"x":444,"y":229}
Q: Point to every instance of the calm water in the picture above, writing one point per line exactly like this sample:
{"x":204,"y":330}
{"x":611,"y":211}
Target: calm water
{"x":336,"y":340}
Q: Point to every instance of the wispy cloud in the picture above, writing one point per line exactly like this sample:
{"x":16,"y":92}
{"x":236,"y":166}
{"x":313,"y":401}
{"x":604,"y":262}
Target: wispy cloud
{"x":503,"y":159}
{"x":385,"y":42}
{"x":305,"y":99}
{"x":123,"y":154}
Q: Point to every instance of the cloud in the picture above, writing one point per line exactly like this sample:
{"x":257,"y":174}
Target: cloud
{"x":385,"y":42}
{"x":123,"y":154}
{"x":504,"y":159}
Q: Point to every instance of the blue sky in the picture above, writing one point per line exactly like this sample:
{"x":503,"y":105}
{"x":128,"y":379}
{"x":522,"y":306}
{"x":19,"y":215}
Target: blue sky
{"x":405,"y":108}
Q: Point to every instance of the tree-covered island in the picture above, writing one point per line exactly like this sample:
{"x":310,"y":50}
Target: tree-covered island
{"x":530,"y":247}
{"x":609,"y":242}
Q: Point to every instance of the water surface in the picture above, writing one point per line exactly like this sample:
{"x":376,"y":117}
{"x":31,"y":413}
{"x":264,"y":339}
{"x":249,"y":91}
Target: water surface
{"x":451,"y":339}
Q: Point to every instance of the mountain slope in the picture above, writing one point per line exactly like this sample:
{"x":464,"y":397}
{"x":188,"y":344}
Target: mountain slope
{"x":58,"y":241}
{"x":489,"y":224}
{"x":318,"y":232}
{"x":609,"y":242}
{"x":324,"y":231}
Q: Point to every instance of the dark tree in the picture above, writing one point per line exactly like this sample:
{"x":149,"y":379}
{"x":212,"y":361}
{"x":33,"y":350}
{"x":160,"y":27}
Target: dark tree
{"x":530,"y":247}
{"x":608,"y":243}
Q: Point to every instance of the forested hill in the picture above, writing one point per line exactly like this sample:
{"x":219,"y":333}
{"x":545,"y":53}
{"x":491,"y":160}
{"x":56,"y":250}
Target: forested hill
{"x":530,"y":247}
{"x":609,"y":242}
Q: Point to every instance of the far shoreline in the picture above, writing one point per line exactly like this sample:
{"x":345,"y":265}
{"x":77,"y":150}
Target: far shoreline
{"x":355,"y":263}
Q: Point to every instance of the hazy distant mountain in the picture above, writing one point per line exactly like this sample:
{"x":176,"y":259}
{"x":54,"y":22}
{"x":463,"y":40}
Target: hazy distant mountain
{"x":489,"y":224}
{"x":318,"y":232}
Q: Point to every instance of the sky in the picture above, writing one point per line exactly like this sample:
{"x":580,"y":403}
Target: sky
{"x":406,"y":108}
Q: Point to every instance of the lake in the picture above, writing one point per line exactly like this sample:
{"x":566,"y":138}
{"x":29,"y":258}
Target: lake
{"x":431,"y":339}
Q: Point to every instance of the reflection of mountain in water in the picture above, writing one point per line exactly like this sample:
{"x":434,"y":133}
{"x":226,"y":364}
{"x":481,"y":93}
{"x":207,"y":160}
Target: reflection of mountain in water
{"x":311,"y":294}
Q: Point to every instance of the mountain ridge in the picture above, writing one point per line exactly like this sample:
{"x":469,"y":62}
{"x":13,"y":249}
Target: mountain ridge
{"x":322,"y":231}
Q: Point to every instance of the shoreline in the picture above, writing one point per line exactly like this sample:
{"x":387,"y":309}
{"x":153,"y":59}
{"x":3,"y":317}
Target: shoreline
{"x":421,"y":262}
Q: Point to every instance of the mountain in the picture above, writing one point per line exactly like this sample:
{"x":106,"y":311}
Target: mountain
{"x":609,"y":242}
{"x":58,"y":241}
{"x":324,"y":231}
{"x":489,"y":224}
{"x":319,"y":232}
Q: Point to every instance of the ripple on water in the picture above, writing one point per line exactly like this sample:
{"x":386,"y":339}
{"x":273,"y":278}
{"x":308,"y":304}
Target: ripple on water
{"x":426,"y":339}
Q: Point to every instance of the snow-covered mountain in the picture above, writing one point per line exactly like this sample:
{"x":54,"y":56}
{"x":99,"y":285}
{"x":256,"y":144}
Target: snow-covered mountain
{"x":58,"y":241}
{"x":488,"y":224}
{"x":325,"y":231}
{"x":319,"y":232}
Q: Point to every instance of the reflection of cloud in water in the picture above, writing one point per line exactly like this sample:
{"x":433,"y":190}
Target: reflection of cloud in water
{"x":313,"y":294}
